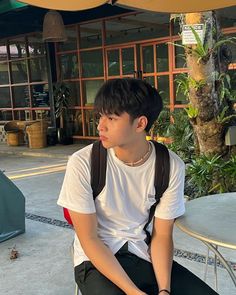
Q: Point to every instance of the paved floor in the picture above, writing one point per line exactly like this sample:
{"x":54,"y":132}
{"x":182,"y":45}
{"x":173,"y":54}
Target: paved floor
{"x":44,"y":265}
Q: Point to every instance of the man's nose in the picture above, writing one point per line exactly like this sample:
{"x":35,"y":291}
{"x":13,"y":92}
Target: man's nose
{"x":101,"y":124}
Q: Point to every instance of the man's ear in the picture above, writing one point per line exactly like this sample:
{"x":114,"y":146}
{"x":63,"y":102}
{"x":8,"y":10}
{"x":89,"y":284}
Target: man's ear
{"x":142,"y":123}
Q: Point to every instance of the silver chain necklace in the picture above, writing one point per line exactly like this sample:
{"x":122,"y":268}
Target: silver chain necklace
{"x":141,"y":159}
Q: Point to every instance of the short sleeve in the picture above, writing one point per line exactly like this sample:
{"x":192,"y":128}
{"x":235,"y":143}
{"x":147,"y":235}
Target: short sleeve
{"x":76,"y":192}
{"x":172,"y":202}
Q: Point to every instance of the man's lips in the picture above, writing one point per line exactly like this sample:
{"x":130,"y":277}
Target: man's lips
{"x":102,"y":137}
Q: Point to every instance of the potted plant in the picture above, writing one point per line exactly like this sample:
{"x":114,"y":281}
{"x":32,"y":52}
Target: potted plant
{"x":62,"y":95}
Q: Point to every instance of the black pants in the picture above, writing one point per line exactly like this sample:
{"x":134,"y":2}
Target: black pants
{"x":183,"y":282}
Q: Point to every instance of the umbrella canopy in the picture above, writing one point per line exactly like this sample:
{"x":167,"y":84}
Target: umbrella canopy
{"x":171,"y":6}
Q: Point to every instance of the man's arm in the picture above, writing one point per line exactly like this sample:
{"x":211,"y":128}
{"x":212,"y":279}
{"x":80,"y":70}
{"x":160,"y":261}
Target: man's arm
{"x":101,"y":256}
{"x":162,"y":252}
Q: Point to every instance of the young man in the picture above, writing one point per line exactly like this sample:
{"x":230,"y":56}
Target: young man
{"x":111,"y":256}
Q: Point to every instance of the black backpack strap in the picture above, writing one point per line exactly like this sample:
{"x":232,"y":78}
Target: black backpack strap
{"x":98,"y":168}
{"x":161,"y":180}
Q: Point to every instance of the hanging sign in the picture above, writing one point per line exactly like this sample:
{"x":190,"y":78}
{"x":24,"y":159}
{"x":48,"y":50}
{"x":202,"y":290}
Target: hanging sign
{"x":188,"y":37}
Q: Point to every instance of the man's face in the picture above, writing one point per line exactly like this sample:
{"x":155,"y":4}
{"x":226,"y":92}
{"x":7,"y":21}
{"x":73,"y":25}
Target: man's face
{"x":117,"y":130}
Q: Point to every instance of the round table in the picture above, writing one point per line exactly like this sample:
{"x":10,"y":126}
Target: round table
{"x":212,"y":220}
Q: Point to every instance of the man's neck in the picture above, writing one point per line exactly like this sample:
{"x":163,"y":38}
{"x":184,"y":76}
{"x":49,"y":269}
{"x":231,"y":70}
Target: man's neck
{"x":135,"y":153}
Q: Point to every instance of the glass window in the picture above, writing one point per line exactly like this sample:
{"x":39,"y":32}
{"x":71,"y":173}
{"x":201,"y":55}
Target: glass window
{"x":180,"y":60}
{"x":113,"y":62}
{"x":19,"y":71}
{"x":40,"y":95}
{"x":135,"y":27}
{"x":5,"y":98}
{"x":18,"y":48}
{"x":127,"y":61}
{"x":71,"y":42}
{"x":91,"y":123}
{"x":230,"y":49}
{"x":38,"y":69}
{"x":148,"y":59}
{"x":180,"y":97}
{"x":3,"y":51}
{"x":19,"y":115}
{"x":75,"y":119}
{"x":39,"y":114}
{"x":162,"y":57}
{"x":4,"y":77}
{"x":5,"y":115}
{"x":21,"y":96}
{"x":92,"y":63}
{"x":35,"y":45}
{"x":163,"y":87}
{"x":69,"y":66}
{"x":91,"y":35}
{"x":75,"y":93}
{"x":90,"y":89}
{"x":232,"y":74}
{"x":150,"y":80}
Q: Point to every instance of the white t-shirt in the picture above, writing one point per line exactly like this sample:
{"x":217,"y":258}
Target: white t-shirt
{"x":122,"y":207}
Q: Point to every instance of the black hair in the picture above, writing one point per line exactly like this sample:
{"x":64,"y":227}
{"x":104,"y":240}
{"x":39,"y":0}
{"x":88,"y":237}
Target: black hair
{"x":134,"y":96}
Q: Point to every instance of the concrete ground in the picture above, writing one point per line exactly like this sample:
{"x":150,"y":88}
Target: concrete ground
{"x":44,"y":265}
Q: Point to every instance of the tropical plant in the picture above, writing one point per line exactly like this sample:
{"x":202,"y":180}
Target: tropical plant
{"x":209,"y":175}
{"x":62,"y":96}
{"x":161,"y":125}
{"x":181,"y":133}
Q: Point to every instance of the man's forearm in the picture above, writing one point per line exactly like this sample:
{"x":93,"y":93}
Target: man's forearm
{"x":162,"y":258}
{"x":104,"y":260}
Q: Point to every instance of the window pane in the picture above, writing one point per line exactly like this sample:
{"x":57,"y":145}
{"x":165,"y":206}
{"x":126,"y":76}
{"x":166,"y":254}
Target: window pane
{"x":162,"y":58}
{"x":148,"y":60}
{"x":21,"y":96}
{"x":4,"y":78}
{"x":5,"y":115}
{"x":19,"y":71}
{"x":113,"y":63}
{"x":232,"y":74}
{"x":91,"y":123}
{"x":150,"y":80}
{"x":92,"y":63}
{"x":19,"y":115}
{"x":75,"y":119}
{"x":180,"y":61}
{"x":36,"y":46}
{"x":3,"y":51}
{"x":90,"y":90}
{"x":5,"y":99}
{"x":69,"y":66}
{"x":91,"y":35}
{"x":38,"y":69}
{"x":75,"y":93}
{"x":136,"y":27}
{"x":39,"y":114}
{"x":232,"y":48}
{"x":180,"y":97}
{"x":17,"y":48}
{"x":164,"y":88}
{"x":127,"y":61}
{"x":71,"y":42}
{"x":40,"y":95}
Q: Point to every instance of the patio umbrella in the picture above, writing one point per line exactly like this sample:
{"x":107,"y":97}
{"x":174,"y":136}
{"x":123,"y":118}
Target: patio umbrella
{"x":171,"y":6}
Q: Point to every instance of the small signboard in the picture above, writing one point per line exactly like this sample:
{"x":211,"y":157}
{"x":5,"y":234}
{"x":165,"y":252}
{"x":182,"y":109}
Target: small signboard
{"x":188,"y":37}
